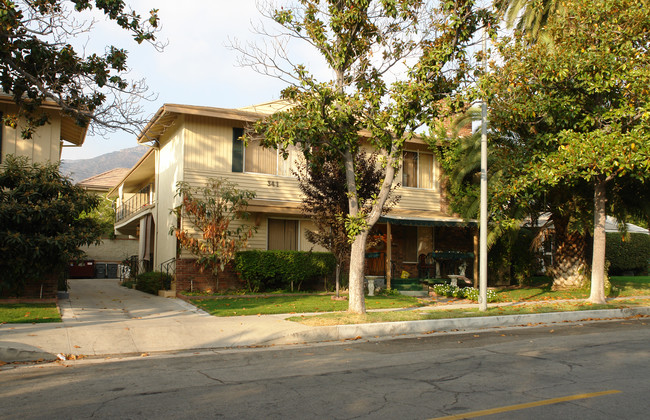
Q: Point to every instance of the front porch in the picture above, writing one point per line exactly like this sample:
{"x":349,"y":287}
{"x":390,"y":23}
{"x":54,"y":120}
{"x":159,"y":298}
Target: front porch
{"x":408,"y":248}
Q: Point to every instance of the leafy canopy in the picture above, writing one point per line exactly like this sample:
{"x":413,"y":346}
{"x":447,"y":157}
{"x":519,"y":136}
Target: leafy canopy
{"x":40,"y":224}
{"x":39,"y":64}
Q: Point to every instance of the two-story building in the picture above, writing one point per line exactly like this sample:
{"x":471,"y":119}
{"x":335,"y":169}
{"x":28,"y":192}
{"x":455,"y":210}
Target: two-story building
{"x":48,"y":140}
{"x":194,"y":143}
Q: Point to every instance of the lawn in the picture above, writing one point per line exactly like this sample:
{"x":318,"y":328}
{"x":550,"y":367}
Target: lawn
{"x":22,"y":313}
{"x":541,"y":290}
{"x":295,"y":304}
{"x":419,"y":315}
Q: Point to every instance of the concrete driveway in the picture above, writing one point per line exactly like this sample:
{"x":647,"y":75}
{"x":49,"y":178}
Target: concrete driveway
{"x":100,"y":317}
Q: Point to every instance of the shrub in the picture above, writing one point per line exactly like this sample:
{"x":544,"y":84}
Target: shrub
{"x":153,"y":281}
{"x":628,"y":254}
{"x":470,"y":293}
{"x":266,"y":270}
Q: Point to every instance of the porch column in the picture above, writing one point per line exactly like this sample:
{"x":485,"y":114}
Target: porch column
{"x":389,"y":256}
{"x":476,"y":258}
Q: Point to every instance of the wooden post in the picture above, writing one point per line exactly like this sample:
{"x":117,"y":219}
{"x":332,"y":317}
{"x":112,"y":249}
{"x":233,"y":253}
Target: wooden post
{"x":389,"y":256}
{"x":476,"y":258}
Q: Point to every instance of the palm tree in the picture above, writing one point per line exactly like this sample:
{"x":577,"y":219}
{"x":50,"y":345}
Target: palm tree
{"x":565,"y":204}
{"x":528,"y":16}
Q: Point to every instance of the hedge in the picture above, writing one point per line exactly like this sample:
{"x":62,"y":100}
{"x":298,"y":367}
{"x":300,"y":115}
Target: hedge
{"x":631,"y":253}
{"x":268,"y":270}
{"x":152,"y":282}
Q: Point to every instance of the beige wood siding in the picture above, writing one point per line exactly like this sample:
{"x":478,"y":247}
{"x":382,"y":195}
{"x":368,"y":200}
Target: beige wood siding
{"x":305,"y":245}
{"x":266,"y":187}
{"x":257,"y":241}
{"x":169,"y":171}
{"x":208,"y":144}
{"x":44,"y":146}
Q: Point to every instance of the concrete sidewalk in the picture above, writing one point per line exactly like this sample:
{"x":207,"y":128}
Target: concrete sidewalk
{"x":101,"y":318}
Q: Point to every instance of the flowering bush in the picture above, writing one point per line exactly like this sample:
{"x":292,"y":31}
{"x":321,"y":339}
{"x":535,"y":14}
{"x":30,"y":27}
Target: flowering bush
{"x":470,"y":293}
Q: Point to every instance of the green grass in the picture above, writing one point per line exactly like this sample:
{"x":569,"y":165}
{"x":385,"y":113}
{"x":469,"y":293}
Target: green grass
{"x":21,"y":313}
{"x":418,"y":315}
{"x":541,"y":290}
{"x":295,"y":304}
{"x":625,"y":286}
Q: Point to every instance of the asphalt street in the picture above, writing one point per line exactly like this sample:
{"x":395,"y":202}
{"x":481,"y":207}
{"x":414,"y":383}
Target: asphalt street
{"x":594,"y":370}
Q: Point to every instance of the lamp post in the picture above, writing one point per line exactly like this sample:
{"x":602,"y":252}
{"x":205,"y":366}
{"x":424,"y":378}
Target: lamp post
{"x":482,"y":300}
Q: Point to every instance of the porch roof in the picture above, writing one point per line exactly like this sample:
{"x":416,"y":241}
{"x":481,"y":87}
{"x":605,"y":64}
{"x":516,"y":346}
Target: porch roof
{"x":424,"y":218}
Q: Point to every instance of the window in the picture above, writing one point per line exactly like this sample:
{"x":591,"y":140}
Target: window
{"x":237,"y":150}
{"x":283,"y":235}
{"x":261,"y":160}
{"x":417,"y":170}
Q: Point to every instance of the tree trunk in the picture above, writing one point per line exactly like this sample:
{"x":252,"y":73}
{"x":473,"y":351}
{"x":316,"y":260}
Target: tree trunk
{"x":357,"y":301}
{"x":598,"y":262}
{"x":569,"y":260}
{"x":338,"y":278}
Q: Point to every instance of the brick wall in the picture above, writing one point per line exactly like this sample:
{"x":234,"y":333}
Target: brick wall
{"x":49,"y":284}
{"x":189,"y":277}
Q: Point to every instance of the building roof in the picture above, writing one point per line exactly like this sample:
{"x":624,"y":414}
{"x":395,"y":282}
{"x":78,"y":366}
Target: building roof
{"x":167,"y":114}
{"x":70,"y":130}
{"x":142,"y":171}
{"x":104,"y":181}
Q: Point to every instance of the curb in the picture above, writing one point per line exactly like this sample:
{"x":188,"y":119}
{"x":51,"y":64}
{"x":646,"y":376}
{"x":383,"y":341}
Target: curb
{"x":384,"y":329}
{"x":10,"y":354}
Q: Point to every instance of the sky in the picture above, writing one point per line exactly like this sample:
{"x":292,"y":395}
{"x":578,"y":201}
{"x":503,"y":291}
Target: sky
{"x":195,"y":68}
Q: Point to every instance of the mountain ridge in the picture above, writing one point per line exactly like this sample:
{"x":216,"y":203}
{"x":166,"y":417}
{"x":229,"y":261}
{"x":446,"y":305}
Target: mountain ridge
{"x":80,"y":169}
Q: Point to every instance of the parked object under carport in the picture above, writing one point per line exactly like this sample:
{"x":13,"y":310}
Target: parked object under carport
{"x":100,"y":270}
{"x":82,"y":269}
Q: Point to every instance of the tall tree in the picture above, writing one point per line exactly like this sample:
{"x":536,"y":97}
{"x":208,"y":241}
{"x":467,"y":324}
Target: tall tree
{"x":40,"y":225}
{"x":367,"y":45}
{"x":216,"y":215}
{"x":529,"y":16}
{"x":325,"y":201}
{"x":38,"y":64}
{"x":579,"y":107}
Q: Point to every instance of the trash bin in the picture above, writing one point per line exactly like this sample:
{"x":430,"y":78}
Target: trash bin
{"x":111,"y":271}
{"x":82,"y":269}
{"x":100,"y":271}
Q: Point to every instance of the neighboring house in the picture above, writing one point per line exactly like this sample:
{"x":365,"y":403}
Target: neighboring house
{"x":194,"y":143}
{"x":114,"y":248}
{"x":47,"y":142}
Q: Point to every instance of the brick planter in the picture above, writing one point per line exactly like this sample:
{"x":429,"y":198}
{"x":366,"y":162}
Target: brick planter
{"x":190,"y":278}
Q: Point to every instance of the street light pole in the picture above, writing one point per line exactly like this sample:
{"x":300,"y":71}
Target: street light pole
{"x":482,"y":300}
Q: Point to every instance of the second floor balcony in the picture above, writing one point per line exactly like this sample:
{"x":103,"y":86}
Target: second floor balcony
{"x":140,"y":201}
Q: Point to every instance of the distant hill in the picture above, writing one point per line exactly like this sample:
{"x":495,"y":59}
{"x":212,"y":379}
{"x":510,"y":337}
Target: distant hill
{"x":80,"y":169}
